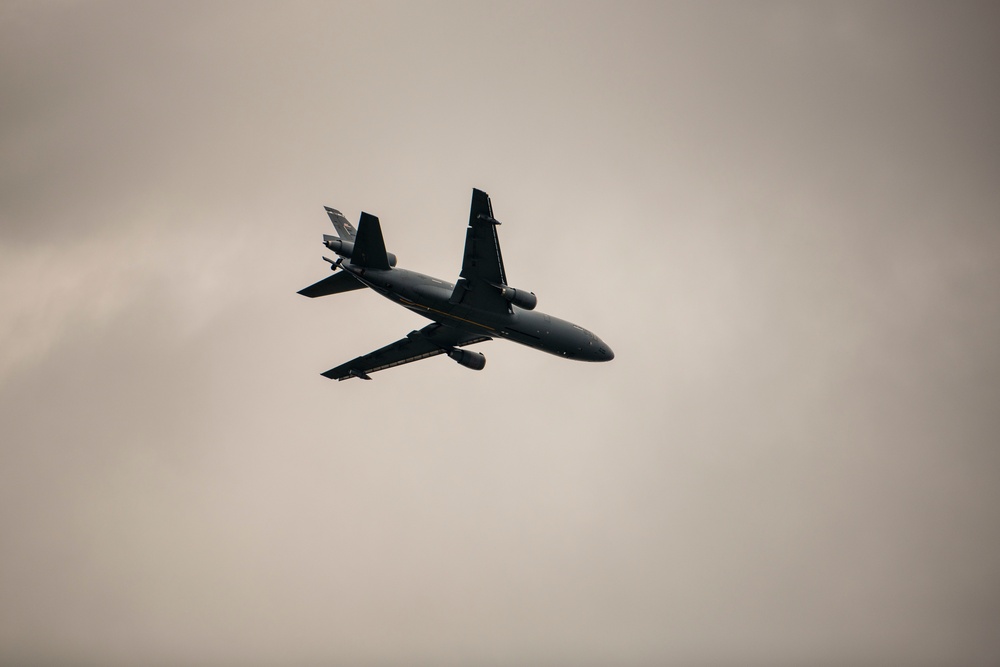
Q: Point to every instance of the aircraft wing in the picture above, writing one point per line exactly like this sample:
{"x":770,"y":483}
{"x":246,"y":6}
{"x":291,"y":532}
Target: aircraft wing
{"x":432,"y":340}
{"x":482,"y":266}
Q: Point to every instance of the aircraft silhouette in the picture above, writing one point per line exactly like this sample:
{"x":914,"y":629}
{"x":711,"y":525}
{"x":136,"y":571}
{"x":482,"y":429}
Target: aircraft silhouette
{"x":479,"y":307}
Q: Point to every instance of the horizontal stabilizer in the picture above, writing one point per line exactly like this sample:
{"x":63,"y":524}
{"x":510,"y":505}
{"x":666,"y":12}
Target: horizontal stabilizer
{"x":369,"y":247}
{"x":335,"y":284}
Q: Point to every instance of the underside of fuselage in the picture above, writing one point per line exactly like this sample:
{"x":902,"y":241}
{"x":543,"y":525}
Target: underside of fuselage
{"x":431,"y":298}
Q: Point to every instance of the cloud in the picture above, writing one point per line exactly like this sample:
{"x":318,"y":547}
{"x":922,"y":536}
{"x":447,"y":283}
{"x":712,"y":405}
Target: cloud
{"x":780,"y":219}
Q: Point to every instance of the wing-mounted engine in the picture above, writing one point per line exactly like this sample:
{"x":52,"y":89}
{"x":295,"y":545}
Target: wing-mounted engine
{"x":519,"y":297}
{"x":474,"y":360}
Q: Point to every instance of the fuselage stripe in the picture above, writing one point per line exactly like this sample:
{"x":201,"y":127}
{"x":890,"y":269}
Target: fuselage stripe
{"x":421,"y":306}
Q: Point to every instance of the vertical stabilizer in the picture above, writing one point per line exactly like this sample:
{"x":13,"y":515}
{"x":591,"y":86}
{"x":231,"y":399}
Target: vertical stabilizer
{"x":344,"y":228}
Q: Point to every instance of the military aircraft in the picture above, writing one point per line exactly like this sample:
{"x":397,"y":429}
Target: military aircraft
{"x":479,"y":307}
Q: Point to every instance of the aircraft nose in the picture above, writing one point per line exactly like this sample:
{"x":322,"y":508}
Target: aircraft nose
{"x":604,"y":352}
{"x":592,"y":348}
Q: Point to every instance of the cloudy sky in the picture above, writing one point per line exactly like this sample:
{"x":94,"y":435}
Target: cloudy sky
{"x":783,"y":217}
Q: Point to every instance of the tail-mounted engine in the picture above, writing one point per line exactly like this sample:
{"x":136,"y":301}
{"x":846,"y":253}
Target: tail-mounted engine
{"x":346,"y":248}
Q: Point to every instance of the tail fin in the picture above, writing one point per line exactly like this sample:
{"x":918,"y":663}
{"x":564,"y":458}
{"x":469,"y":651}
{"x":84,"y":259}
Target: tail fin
{"x":344,"y":228}
{"x":369,"y":247}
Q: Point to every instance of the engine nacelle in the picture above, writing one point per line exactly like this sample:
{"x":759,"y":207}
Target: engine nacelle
{"x":346,"y":248}
{"x":519,"y":297}
{"x":473,"y":360}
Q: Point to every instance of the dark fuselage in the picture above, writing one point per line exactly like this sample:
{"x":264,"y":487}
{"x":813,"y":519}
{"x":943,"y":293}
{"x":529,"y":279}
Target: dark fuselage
{"x":431,"y":298}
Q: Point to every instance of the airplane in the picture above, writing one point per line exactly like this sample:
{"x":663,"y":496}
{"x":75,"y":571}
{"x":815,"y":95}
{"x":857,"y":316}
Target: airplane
{"x":479,"y":307}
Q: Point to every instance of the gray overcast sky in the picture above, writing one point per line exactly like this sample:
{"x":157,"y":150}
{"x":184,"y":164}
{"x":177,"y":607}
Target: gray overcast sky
{"x":783,"y":217}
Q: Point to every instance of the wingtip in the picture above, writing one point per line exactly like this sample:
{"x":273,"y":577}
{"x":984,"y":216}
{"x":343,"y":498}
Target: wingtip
{"x":353,"y":373}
